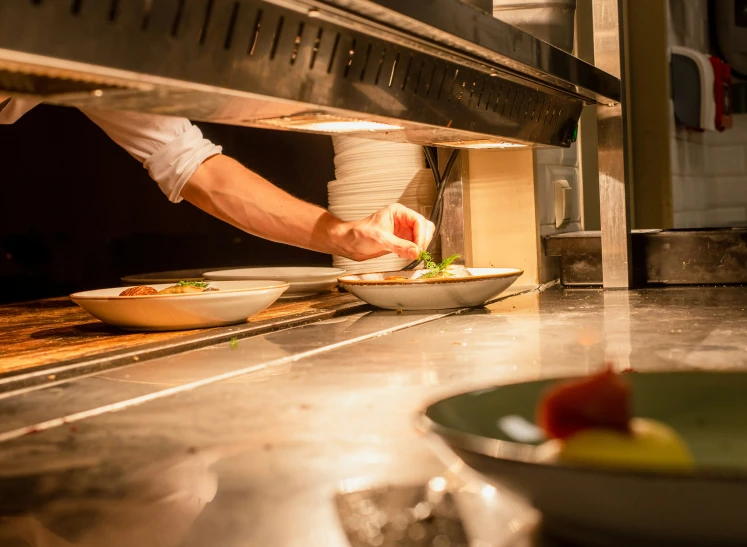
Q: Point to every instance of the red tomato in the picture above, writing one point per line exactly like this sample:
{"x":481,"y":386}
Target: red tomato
{"x":599,"y":401}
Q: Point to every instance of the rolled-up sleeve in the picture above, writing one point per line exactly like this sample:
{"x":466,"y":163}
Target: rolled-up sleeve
{"x":170,"y":148}
{"x":11,"y":109}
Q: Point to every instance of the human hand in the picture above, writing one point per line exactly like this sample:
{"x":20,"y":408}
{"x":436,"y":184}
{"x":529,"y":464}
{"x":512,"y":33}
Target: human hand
{"x":394,"y":229}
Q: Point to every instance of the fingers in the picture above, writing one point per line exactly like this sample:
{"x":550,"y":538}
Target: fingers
{"x":421,"y":228}
{"x":430,"y":233}
{"x":401,"y":247}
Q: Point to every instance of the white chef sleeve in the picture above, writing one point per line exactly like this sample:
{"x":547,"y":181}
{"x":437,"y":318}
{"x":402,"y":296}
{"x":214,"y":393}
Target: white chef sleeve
{"x":12,"y":108}
{"x":170,"y":148}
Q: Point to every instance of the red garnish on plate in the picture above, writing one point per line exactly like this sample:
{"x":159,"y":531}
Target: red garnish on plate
{"x":599,"y":401}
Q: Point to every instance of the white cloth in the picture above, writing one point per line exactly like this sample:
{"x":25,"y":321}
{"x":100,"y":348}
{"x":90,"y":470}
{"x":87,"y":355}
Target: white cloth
{"x":170,"y":148}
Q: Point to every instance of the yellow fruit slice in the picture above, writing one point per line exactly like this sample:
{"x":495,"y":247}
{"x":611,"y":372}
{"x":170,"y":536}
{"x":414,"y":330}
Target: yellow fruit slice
{"x":650,"y":445}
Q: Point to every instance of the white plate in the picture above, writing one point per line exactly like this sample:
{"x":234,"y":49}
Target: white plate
{"x":428,"y":294}
{"x":234,"y":302}
{"x":303,"y":281}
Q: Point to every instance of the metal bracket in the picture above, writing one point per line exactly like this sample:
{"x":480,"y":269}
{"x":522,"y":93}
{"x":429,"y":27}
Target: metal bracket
{"x":455,"y":229}
{"x":614,"y":196}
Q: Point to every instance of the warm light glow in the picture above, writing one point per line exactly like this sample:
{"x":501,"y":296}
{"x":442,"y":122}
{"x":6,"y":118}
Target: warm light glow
{"x":437,"y":484}
{"x":481,"y":144}
{"x":354,"y":484}
{"x":325,"y":123}
{"x":349,"y":127}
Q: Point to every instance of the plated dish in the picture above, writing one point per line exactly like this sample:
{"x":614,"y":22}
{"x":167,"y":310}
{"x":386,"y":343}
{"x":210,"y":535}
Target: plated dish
{"x":189,"y":305}
{"x":644,"y":459}
{"x":182,"y":287}
{"x":442,"y":286}
{"x":304,"y":281}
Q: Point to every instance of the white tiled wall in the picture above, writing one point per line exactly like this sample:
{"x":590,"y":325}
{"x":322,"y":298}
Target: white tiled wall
{"x":709,"y":170}
{"x":557,"y":164}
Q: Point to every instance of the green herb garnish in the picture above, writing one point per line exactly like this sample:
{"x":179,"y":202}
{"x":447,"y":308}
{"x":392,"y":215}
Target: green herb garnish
{"x":233,"y":342}
{"x":434,"y":269}
{"x":198,"y":284}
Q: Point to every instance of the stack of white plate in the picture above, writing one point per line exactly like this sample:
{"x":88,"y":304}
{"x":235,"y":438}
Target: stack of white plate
{"x":371,"y":175}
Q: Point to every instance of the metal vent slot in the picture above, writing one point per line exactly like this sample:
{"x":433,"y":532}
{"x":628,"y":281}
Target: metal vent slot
{"x":231,"y":26}
{"x":257,"y":29}
{"x":526,"y":105}
{"x":530,"y":106}
{"x":276,"y":37}
{"x":490,"y":94}
{"x":394,"y":68}
{"x":334,"y":52}
{"x":206,"y":21}
{"x":441,"y":84}
{"x":407,"y":73}
{"x":498,"y":97}
{"x":297,"y":43}
{"x":419,"y":76}
{"x":550,"y":110}
{"x":461,"y":90}
{"x":147,"y":8}
{"x":519,"y":100}
{"x":557,"y":118}
{"x":482,"y":91}
{"x":427,"y":79}
{"x":113,"y":10}
{"x":351,"y":57}
{"x":540,"y":110}
{"x":356,"y":66}
{"x":177,"y":19}
{"x":509,"y":104}
{"x":268,"y":28}
{"x":366,"y":58}
{"x":315,"y":48}
{"x":380,"y":68}
{"x":473,"y":93}
{"x":453,"y":83}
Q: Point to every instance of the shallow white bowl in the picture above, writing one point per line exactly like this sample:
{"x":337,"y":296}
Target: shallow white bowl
{"x":234,"y":302}
{"x":589,"y":506}
{"x":303,"y":280}
{"x":428,"y":294}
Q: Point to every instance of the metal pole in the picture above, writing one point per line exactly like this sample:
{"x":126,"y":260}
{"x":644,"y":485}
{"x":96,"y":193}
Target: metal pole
{"x":614,"y":197}
{"x":454,"y":228}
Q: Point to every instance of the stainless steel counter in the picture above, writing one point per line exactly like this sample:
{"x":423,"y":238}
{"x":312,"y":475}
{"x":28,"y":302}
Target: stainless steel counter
{"x":247,"y":446}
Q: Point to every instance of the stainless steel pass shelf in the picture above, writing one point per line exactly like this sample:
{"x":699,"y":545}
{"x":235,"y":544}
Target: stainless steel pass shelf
{"x":399,"y":73}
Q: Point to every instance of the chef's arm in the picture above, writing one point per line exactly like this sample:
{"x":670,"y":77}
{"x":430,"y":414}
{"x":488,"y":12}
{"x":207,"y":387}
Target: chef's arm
{"x":187,"y":166}
{"x":229,"y":191}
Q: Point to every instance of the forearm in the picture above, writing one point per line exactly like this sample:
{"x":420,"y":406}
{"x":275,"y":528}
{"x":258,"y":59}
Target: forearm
{"x":227,"y":190}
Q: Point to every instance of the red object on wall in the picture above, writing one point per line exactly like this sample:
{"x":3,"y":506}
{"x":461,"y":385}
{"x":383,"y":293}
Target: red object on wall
{"x":722,"y":93}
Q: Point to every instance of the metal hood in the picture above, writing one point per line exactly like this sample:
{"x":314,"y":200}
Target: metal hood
{"x":435,"y":72}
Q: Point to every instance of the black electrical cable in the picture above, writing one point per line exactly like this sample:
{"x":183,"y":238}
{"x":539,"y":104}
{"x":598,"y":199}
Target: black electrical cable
{"x":433,"y":162}
{"x":438,"y":205}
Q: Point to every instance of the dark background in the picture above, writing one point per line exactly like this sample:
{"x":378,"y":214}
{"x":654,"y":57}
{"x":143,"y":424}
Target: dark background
{"x":77,"y":212}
